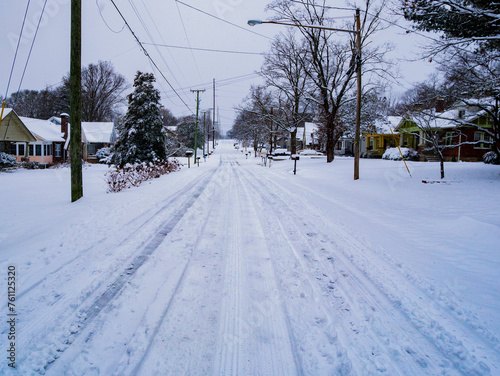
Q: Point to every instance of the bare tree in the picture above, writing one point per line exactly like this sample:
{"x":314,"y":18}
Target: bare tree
{"x":102,"y":92}
{"x":474,"y":81}
{"x":285,"y":71}
{"x":331,"y":63}
{"x":434,"y":139}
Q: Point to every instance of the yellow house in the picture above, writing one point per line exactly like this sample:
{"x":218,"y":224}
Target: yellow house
{"x":12,"y":132}
{"x":381,"y":137}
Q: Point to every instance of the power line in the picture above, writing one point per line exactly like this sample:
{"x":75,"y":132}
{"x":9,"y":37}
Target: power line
{"x":222,"y":20}
{"x":163,"y":40}
{"x":141,"y":20}
{"x":207,"y":49}
{"x":32,"y":44}
{"x":187,"y":38}
{"x":17,"y":49}
{"x":149,"y":56}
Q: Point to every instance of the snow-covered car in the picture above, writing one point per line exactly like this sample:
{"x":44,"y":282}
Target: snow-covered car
{"x":311,"y":154}
{"x":280,"y":154}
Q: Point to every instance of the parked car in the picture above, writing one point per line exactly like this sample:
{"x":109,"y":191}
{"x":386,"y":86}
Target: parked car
{"x":280,"y":154}
{"x":311,"y":154}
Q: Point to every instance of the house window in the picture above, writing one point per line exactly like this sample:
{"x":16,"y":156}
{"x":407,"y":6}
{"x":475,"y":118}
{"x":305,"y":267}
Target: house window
{"x":38,"y":150}
{"x":13,"y":149}
{"x":57,"y":149}
{"x":32,"y":150}
{"x":92,"y":149}
{"x":480,"y":136}
{"x":449,"y":139}
{"x":461,"y":114}
{"x":47,"y":149}
{"x":20,"y":149}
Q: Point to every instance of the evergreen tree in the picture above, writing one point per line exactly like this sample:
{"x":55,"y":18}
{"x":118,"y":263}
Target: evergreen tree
{"x":469,"y":21}
{"x":141,"y":137}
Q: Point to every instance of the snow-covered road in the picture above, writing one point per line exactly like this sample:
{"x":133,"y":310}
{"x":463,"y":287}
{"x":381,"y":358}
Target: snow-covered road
{"x":231,"y":273}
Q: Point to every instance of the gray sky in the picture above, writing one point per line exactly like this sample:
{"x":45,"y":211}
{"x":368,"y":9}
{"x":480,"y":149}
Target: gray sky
{"x":104,"y":37}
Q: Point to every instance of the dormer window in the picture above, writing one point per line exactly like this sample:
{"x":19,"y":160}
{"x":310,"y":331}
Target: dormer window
{"x":461,"y":114}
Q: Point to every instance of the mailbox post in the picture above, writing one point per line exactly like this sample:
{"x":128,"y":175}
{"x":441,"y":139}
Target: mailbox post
{"x":189,"y":154}
{"x":295,"y":158}
{"x":198,"y":161}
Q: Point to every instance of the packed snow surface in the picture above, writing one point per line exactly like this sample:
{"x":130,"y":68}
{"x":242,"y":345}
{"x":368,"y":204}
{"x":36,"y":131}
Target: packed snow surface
{"x":233,"y":268}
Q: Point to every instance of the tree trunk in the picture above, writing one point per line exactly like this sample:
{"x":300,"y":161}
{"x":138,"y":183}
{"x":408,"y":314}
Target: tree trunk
{"x":330,"y":146}
{"x":442,"y":168}
{"x":293,"y":141}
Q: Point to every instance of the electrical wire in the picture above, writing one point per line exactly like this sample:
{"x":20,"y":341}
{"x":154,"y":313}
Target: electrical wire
{"x":143,"y":23}
{"x":17,"y":49}
{"x":149,"y":56}
{"x":163,"y":40}
{"x":207,"y":49}
{"x":187,"y":38}
{"x":222,"y":20}
{"x":103,"y":20}
{"x":32,"y":44}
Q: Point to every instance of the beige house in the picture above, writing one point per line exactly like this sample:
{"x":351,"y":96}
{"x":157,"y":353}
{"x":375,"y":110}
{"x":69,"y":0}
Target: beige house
{"x":14,"y":135}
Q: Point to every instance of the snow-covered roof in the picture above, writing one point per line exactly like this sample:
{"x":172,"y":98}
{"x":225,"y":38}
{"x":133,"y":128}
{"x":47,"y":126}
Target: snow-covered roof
{"x":43,"y":129}
{"x":384,"y":126}
{"x":172,"y":128}
{"x":55,"y":120}
{"x":96,"y":132}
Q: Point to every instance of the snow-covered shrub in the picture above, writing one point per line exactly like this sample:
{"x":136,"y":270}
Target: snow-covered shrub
{"x":134,"y":175}
{"x":7,"y":161}
{"x":104,"y":155}
{"x":31,"y":165}
{"x":491,"y":158}
{"x":394,"y":154}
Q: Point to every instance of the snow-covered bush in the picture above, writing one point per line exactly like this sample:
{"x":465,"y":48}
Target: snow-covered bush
{"x":491,"y":158}
{"x":134,"y":175}
{"x":394,"y":154}
{"x":104,"y":155}
{"x":7,"y":161}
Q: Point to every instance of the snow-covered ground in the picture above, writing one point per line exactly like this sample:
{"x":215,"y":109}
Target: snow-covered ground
{"x":232,"y":268}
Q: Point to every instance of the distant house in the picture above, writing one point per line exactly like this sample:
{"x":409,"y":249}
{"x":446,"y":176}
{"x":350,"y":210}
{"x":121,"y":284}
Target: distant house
{"x":48,"y":147}
{"x":308,"y":136}
{"x":14,"y":135}
{"x":383,"y":135}
{"x":344,"y":146}
{"x":95,"y":136}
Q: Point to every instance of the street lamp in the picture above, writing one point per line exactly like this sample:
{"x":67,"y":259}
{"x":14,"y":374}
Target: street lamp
{"x":358,"y":73}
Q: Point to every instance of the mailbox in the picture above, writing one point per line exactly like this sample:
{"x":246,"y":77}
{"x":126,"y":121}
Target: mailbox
{"x":295,"y":157}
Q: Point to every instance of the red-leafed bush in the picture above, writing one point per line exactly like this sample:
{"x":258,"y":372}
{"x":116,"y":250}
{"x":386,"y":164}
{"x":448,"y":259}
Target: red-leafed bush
{"x":129,"y":176}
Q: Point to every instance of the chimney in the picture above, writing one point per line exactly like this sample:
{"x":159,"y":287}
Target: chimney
{"x":64,"y":125}
{"x":439,"y":104}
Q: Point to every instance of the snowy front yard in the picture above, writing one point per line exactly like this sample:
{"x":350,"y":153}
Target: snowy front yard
{"x":235,"y":268}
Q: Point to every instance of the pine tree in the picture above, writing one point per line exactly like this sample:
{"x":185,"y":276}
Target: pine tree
{"x":141,"y":136}
{"x":470,"y":21}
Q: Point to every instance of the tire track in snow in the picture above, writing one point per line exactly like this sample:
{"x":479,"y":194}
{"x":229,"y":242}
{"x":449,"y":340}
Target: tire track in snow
{"x":101,"y":242}
{"x":463,"y":317}
{"x":430,"y":328}
{"x":254,"y":336}
{"x":72,"y":330}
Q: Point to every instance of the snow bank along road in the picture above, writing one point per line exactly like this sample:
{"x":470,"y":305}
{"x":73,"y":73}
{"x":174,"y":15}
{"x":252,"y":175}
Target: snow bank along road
{"x":232,"y":274}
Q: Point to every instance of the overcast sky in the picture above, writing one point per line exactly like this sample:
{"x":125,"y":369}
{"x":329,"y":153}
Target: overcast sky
{"x":105,"y":37}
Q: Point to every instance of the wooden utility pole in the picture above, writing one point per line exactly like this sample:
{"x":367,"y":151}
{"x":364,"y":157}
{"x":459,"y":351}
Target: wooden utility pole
{"x":204,"y":130}
{"x":197,"y":113}
{"x":358,"y":97}
{"x":213,"y":122}
{"x":75,"y":81}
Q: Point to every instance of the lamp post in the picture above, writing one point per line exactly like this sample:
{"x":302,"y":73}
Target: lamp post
{"x":357,"y":32}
